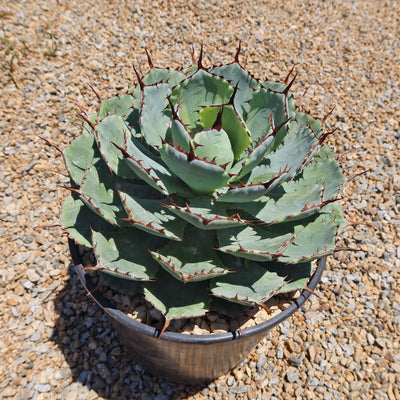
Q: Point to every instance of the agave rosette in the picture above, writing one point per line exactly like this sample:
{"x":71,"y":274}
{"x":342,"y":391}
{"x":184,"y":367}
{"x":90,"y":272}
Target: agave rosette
{"x":206,"y":187}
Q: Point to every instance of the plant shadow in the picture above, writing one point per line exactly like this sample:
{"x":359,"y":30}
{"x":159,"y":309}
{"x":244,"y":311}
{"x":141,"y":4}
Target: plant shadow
{"x":96,"y":356}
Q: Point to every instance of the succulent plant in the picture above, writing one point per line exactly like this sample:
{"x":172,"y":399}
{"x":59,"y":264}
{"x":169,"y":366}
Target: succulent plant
{"x":206,"y":186}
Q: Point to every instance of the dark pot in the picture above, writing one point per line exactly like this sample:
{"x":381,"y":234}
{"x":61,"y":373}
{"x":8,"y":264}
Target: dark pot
{"x":187,"y":358}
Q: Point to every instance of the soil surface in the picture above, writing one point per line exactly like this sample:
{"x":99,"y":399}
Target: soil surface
{"x":54,"y":343}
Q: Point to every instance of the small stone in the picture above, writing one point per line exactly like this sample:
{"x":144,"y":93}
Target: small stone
{"x":371,"y":339}
{"x":9,"y":391}
{"x":161,"y":396}
{"x":292,"y":376}
{"x":396,"y":368}
{"x":230,"y":381}
{"x":42,"y":388}
{"x":239,"y":389}
{"x":103,"y":370}
{"x":219,"y":326}
{"x":273,"y":382}
{"x":35,"y":337}
{"x":314,"y":381}
{"x":32,"y":276}
{"x":13,"y":300}
{"x":295,"y":362}
{"x":261,"y":362}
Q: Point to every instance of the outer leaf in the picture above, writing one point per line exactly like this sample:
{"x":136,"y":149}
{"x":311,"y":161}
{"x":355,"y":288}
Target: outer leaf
{"x":87,"y":128}
{"x":150,"y":216}
{"x":124,"y":253}
{"x":162,"y":75}
{"x":109,"y":132}
{"x":315,"y":239}
{"x":151,"y":170}
{"x":97,"y":191}
{"x":263,"y":106}
{"x":291,"y":156}
{"x":175,"y":299}
{"x":202,"y":214}
{"x":319,"y":182}
{"x":193,"y":259}
{"x":118,"y":105}
{"x":80,"y":155}
{"x":305,"y":120}
{"x":77,"y":219}
{"x":299,"y":201}
{"x":249,"y":285}
{"x":257,"y":243}
{"x":155,"y":117}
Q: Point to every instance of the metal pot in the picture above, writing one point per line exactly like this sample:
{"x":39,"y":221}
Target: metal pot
{"x":183,"y":358}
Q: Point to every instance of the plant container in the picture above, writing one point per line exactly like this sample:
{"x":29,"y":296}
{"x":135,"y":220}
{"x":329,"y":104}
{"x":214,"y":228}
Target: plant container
{"x":188,"y":359}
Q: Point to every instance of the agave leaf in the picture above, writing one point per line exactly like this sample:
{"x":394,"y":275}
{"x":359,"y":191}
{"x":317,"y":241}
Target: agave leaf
{"x":97,"y":192}
{"x":254,"y":157}
{"x":121,"y":285}
{"x":257,"y":243}
{"x":275,"y":86}
{"x":316,"y":238}
{"x":151,"y":170}
{"x":192,"y":260}
{"x":201,"y":176}
{"x":296,"y":275}
{"x":202,"y":214}
{"x":253,"y":283}
{"x":230,"y":122}
{"x":311,"y":190}
{"x":148,"y":215}
{"x":175,"y":299}
{"x":80,"y":155}
{"x":306,"y":120}
{"x":162,"y":75}
{"x":299,"y":143}
{"x":263,"y":106}
{"x":87,"y":127}
{"x":109,"y":132}
{"x":159,"y":75}
{"x":290,"y":242}
{"x":199,"y":90}
{"x":213,"y":146}
{"x":155,"y":116}
{"x":245,"y":192}
{"x":227,"y":307}
{"x":179,"y":136}
{"x":237,"y":76}
{"x":278,"y":205}
{"x":118,"y":105}
{"x":125,"y":253}
{"x":77,"y":218}
{"x":325,"y":165}
{"x":250,"y":284}
{"x":123,"y":106}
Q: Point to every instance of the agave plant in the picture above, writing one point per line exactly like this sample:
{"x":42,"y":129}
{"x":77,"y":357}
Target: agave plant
{"x":206,"y":186}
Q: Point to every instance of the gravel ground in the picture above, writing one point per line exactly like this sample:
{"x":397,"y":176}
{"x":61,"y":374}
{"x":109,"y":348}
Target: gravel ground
{"x":54,"y":344}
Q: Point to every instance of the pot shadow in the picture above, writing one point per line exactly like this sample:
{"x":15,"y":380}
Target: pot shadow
{"x":96,"y":356}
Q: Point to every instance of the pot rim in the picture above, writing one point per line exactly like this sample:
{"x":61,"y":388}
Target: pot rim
{"x":183,"y":338}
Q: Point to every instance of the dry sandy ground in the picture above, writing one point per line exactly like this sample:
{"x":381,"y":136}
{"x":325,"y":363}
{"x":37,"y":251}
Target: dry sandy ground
{"x":53,"y":343}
